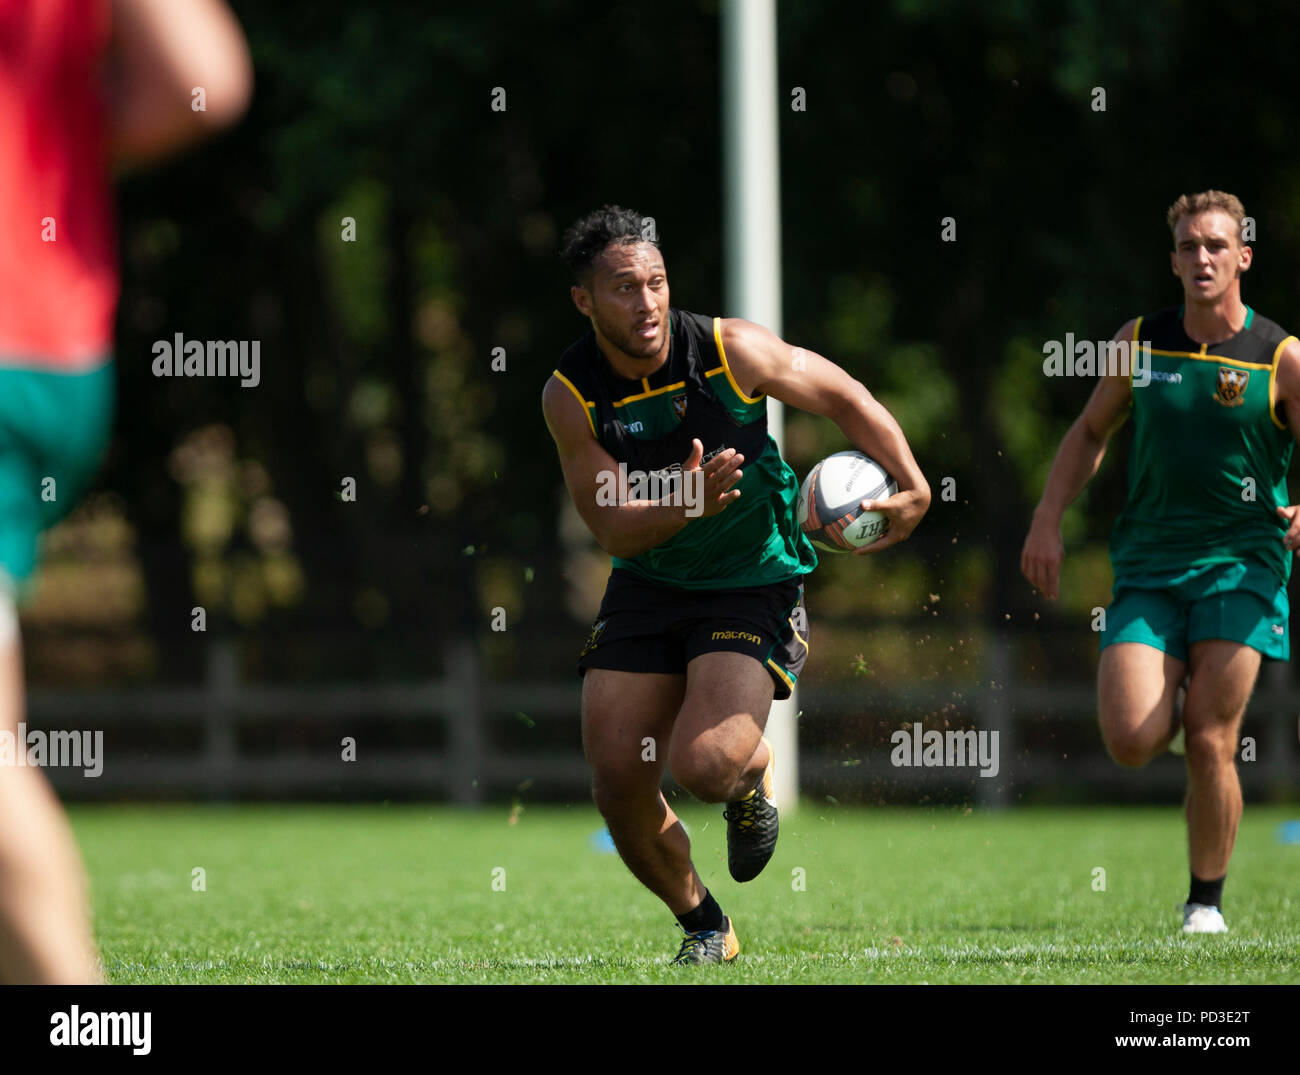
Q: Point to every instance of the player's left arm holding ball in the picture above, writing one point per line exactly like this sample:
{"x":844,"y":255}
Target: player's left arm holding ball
{"x":764,"y":364}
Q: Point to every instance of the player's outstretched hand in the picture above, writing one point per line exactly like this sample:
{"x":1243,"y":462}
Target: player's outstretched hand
{"x":1041,"y":558}
{"x":1291,"y":539}
{"x":903,"y":510}
{"x":720,"y":474}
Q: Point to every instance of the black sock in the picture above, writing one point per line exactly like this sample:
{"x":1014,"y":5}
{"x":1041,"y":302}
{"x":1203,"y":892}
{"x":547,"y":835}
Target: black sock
{"x":708,"y":915}
{"x":1209,"y":893}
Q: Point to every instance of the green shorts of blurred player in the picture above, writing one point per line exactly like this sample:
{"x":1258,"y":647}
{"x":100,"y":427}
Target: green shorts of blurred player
{"x":53,"y":431}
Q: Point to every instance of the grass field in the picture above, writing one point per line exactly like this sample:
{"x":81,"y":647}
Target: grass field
{"x":405,"y":894}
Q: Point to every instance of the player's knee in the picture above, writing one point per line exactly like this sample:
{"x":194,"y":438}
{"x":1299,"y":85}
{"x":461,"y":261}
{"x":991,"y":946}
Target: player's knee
{"x":1129,"y":747}
{"x":1209,"y":747}
{"x":617,"y":792}
{"x":608,"y":796}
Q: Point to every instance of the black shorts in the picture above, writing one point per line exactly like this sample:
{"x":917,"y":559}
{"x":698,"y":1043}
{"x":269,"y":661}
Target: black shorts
{"x":646,"y":627}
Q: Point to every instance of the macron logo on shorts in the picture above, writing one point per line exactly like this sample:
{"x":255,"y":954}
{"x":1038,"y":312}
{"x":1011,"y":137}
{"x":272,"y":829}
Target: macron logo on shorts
{"x":745,"y":635}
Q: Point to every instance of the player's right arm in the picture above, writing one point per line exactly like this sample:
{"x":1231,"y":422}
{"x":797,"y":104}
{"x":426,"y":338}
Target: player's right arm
{"x":1081,"y":452}
{"x":627,"y":528}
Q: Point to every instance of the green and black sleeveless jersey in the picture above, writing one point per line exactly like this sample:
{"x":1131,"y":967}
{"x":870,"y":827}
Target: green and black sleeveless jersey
{"x":1208,"y":465}
{"x":648,"y":425}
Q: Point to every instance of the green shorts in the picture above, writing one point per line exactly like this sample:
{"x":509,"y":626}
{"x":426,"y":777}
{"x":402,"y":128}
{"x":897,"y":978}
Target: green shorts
{"x":1242,"y":602}
{"x":54,"y":428}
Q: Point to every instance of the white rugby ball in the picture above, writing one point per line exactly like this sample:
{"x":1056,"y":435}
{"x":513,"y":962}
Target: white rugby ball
{"x":830,"y":502}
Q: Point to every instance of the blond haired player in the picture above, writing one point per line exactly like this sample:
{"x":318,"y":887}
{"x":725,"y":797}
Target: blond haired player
{"x":1202,"y":550}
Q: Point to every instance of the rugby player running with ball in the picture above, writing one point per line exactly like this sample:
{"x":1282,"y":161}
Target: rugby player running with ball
{"x":702,"y":622}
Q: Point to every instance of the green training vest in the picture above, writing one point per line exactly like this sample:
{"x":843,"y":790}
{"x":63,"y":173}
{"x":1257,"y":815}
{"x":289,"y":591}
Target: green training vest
{"x":1209,"y":458}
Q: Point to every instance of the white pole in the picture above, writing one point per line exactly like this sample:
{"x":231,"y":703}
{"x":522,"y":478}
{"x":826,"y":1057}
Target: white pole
{"x":753,"y":240}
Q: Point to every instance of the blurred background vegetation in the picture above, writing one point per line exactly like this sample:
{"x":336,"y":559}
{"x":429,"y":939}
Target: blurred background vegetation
{"x":377,"y":353}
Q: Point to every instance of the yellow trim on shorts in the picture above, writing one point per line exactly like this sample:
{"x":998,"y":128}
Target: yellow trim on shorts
{"x":780,"y":672}
{"x":1272,"y":382}
{"x":722,"y":354}
{"x":795,"y":631}
{"x":585,"y":403}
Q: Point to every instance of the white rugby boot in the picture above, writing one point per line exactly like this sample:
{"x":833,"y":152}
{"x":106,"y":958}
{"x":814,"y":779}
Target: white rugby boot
{"x":1200,"y":918}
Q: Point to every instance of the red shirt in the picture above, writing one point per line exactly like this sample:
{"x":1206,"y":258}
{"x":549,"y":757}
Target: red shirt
{"x":57,"y":298}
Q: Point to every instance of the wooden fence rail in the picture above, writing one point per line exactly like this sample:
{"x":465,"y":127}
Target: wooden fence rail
{"x":468,"y":712}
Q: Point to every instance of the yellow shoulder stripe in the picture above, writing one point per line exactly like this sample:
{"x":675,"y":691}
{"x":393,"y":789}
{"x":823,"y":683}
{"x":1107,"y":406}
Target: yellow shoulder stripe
{"x":1137,"y":327}
{"x":1272,"y":381}
{"x":722,"y":354}
{"x":587,"y":406}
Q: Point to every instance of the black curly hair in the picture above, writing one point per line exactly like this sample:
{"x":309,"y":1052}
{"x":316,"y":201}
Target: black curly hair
{"x":587,"y":239}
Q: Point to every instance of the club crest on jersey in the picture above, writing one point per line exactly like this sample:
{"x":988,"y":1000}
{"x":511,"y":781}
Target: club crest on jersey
{"x":1231,"y":386}
{"x":679,"y":406}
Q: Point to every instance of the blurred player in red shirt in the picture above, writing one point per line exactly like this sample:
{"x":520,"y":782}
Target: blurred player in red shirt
{"x":84,"y":84}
